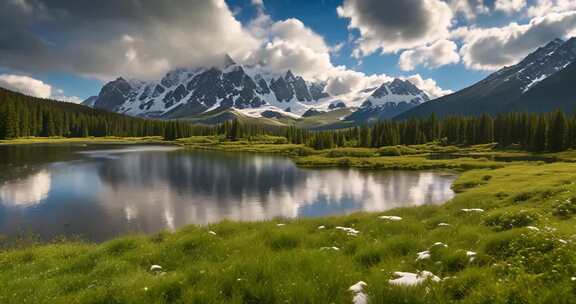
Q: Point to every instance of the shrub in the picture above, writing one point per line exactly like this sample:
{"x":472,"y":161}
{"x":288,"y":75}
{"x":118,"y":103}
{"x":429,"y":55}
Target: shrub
{"x":565,"y":209}
{"x":517,"y":243}
{"x":199,"y":140}
{"x":120,"y":246}
{"x":461,"y":286}
{"x":456,"y":261}
{"x":507,"y":220}
{"x":302,"y":151}
{"x":369,"y":257}
{"x":283,"y":241}
{"x":389,"y":151}
{"x":350,"y":152}
{"x":524,"y":196}
{"x":398,"y":151}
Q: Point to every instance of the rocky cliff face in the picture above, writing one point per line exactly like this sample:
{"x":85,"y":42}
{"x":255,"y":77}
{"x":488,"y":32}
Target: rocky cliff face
{"x":389,"y":100}
{"x":189,"y":92}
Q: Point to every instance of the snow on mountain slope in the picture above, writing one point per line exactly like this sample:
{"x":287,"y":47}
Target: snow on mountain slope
{"x":250,"y":90}
{"x":545,"y":61}
{"x":498,"y":91}
{"x":395,"y":93}
{"x":389,"y":100}
{"x":188,"y":92}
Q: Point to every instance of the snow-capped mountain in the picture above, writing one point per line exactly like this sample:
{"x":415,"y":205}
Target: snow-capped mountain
{"x":540,"y":64}
{"x":389,"y":100}
{"x":497,"y":92}
{"x":190,"y":92}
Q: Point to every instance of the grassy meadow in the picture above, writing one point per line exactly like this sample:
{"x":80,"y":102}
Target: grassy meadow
{"x":508,"y":236}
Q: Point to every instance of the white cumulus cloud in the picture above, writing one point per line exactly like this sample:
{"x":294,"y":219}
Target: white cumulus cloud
{"x":543,"y":7}
{"x":428,"y":85}
{"x":469,"y":8}
{"x":34,"y":87}
{"x":493,"y":48}
{"x":509,"y":6}
{"x":440,"y":53}
{"x":26,"y":85}
{"x":394,"y":25}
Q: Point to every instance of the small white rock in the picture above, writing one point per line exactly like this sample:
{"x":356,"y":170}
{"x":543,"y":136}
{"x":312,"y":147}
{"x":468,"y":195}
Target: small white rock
{"x":360,"y":298}
{"x":358,"y":290}
{"x":330,"y":248}
{"x":358,"y":287}
{"x":473,"y":210}
{"x":532,"y":228}
{"x":439,"y":244}
{"x":322,"y":227}
{"x":212,"y":232}
{"x":391,"y":218}
{"x":280,"y":225}
{"x":155,"y":268}
{"x":443,"y":224}
{"x":423,"y":255}
{"x":348,"y":230}
{"x":412,"y":279}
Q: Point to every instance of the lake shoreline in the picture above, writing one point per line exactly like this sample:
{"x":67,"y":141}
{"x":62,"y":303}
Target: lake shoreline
{"x":508,"y":229}
{"x":304,"y":157}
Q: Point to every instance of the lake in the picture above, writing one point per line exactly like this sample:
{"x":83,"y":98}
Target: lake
{"x":97,"y":192}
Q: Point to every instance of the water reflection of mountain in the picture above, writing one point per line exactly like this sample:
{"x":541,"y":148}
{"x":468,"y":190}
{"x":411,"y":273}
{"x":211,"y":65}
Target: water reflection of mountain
{"x":102,"y":194}
{"x":206,"y":186}
{"x":201,"y":187}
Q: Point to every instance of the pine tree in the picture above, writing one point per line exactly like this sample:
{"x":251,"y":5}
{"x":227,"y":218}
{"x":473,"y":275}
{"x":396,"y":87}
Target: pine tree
{"x":558,"y":132}
{"x":11,"y":122}
{"x":539,"y":138}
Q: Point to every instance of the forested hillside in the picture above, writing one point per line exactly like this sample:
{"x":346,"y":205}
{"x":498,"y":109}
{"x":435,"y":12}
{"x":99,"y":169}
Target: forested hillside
{"x":22,"y":116}
{"x":535,"y":132}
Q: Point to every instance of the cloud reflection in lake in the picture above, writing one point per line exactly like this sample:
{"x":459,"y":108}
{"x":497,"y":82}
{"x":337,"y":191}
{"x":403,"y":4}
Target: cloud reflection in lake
{"x":148,"y":190}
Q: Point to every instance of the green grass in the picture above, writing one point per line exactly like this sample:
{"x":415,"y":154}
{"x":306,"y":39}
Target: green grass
{"x":389,"y":158}
{"x":264,"y":262}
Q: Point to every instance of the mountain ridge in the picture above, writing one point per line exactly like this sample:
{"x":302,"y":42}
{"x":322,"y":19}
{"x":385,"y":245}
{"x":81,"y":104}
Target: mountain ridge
{"x":254,"y":91}
{"x":496,"y":92}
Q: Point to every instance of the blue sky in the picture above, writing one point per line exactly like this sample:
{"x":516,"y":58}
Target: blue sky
{"x":75,"y":57}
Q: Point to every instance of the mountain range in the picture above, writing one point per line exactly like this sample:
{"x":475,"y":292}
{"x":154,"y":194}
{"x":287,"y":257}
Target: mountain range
{"x":245,"y":90}
{"x":541,"y":82}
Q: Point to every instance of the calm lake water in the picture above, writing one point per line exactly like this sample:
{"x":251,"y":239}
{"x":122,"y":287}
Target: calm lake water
{"x":98,"y":192}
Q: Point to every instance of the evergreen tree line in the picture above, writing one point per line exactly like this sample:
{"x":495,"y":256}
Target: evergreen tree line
{"x":535,"y":132}
{"x":22,"y":116}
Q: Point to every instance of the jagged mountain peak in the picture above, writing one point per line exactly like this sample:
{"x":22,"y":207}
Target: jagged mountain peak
{"x":389,"y":100}
{"x":184,"y":92}
{"x":542,"y":51}
{"x":289,"y":75}
{"x":396,"y":91}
